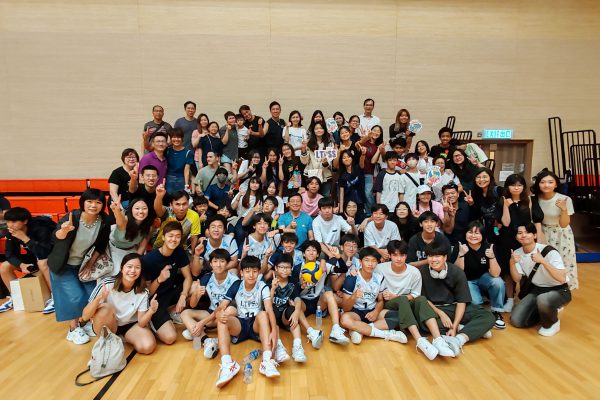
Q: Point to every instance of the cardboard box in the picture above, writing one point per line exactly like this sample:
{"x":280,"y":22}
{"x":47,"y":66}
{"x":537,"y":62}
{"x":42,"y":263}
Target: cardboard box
{"x":34,"y":292}
{"x":15,"y":295}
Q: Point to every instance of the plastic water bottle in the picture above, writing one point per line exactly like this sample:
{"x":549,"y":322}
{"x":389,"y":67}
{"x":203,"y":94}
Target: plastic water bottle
{"x":248,"y":373}
{"x":319,"y":318}
{"x":197,"y":343}
{"x":253,"y":355}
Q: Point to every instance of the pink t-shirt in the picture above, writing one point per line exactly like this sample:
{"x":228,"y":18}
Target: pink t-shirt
{"x":437,"y":207}
{"x":310,"y":206}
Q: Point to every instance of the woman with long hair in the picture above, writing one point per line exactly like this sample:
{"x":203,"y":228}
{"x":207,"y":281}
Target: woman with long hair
{"x":446,"y":176}
{"x":555,"y":210}
{"x":407,"y":223}
{"x":463,"y":168}
{"x":199,"y":133}
{"x":318,"y":166}
{"x":121,"y":304}
{"x":351,"y":183}
{"x":484,"y":201}
{"x":400,"y":127}
{"x":294,"y":133}
{"x":251,"y":168}
{"x":368,"y":161}
{"x":422,"y":150}
{"x":290,"y":171}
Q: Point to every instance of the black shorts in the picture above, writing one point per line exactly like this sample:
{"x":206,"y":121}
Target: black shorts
{"x":247,"y":331}
{"x":311,"y":305}
{"x":362,"y":314}
{"x":280,"y":314}
{"x":122,"y":330}
{"x":165,"y":300}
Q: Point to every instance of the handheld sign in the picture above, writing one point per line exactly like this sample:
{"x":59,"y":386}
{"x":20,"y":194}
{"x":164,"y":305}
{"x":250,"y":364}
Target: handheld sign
{"x":433,"y":175}
{"x":331,"y":125}
{"x":415,"y":126}
{"x":328,"y":154}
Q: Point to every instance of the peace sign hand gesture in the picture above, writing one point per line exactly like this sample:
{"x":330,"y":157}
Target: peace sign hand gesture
{"x":116,"y":205}
{"x":469,"y":198}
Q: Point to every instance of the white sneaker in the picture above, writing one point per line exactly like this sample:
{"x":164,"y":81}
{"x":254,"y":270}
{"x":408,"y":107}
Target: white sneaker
{"x":488,"y":334}
{"x":553,"y":330}
{"x":427,"y":348}
{"x":187,"y":335}
{"x":281,"y":354}
{"x":227,"y":372}
{"x":395,"y":336}
{"x":211,"y":347}
{"x":510,"y":302}
{"x":337,"y":335}
{"x":315,"y":338}
{"x":88,"y":328}
{"x":78,"y":336}
{"x":176,"y":318}
{"x":6,"y":306}
{"x":298,"y":354}
{"x":454,"y":344}
{"x":269,"y":368}
{"x":355,"y":337}
{"x":442,"y":347}
{"x":49,"y":307}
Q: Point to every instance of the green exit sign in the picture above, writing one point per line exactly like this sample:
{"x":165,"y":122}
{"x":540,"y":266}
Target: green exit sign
{"x":497,"y":134}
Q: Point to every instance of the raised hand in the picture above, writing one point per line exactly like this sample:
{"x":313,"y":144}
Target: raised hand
{"x":133,"y":174}
{"x":165,"y":274}
{"x":489,"y":252}
{"x":537,"y":257}
{"x":462,"y":249}
{"x":359,"y":292}
{"x":68,"y":224}
{"x":199,"y":249}
{"x":116,"y":205}
{"x":516,"y":258}
{"x":103,"y":293}
{"x":160,"y":189}
{"x":469,"y":198}
{"x":153,"y":304}
{"x":562,"y":204}
{"x":508,"y":202}
{"x":281,"y":160}
{"x":303,"y":146}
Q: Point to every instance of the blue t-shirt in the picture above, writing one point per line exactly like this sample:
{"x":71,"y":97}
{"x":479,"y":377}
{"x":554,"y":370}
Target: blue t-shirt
{"x":177,"y":160}
{"x":153,"y":263}
{"x":217,"y":195}
{"x":303,"y":225}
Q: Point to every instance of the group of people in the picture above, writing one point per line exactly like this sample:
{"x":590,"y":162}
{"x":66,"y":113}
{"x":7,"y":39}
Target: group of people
{"x":243,"y":230}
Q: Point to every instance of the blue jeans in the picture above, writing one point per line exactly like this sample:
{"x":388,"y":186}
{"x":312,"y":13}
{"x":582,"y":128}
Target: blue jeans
{"x":69,"y":293}
{"x":489,"y":286}
{"x":370,"y":200}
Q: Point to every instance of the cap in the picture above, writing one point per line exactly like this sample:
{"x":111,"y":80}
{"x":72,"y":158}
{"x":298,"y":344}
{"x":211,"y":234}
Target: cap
{"x":423,"y":188}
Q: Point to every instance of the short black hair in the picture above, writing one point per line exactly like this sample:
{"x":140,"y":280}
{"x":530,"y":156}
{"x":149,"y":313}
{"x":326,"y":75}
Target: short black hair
{"x":188,"y":103}
{"x":272,"y":199}
{"x":256,"y":218}
{"x":399,"y":141}
{"x":273,"y":104}
{"x":129,"y":151}
{"x":369,"y":252}
{"x":214,"y":218}
{"x":17,"y":214}
{"x":390,"y":155}
{"x":285,"y":258}
{"x":175,"y":132}
{"x":444,"y":130}
{"x":250,"y":262}
{"x":326,"y":202}
{"x":228,"y":114}
{"x":178,"y":194}
{"x":367,"y":100}
{"x":429,"y":215}
{"x":289,"y":237}
{"x":348,"y":238}
{"x":449,"y":186}
{"x":198,"y":200}
{"x":380,"y":207}
{"x":219,"y":254}
{"x":291,"y":196}
{"x":436,"y":249}
{"x":92,"y":194}
{"x":395,"y":246}
{"x":529,"y":227}
{"x":311,"y":243}
{"x":149,"y":167}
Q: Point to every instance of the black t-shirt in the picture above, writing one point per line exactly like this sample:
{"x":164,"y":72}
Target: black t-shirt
{"x":438,"y":150}
{"x":210,"y":143}
{"x":153,"y":263}
{"x":141,"y":192}
{"x":416,"y":246}
{"x":255,"y":143}
{"x":121,"y":178}
{"x":461,"y":221}
{"x":274,"y":136}
{"x":476,"y":263}
{"x":292,"y":176}
{"x":450,"y":290}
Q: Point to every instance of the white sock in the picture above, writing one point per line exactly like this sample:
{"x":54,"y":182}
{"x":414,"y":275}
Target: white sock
{"x":280,"y":343}
{"x":335,"y":326}
{"x":462,"y":339}
{"x":267,"y":355}
{"x":226,"y":359}
{"x":376,"y":332}
{"x":297,"y":342}
{"x":309,"y":330}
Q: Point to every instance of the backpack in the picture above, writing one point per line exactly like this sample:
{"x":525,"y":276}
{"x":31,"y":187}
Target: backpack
{"x":108,"y":357}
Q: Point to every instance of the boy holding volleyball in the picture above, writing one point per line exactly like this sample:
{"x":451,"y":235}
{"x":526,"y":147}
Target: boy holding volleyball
{"x":363,"y":303}
{"x":314,"y":294}
{"x":251,"y":318}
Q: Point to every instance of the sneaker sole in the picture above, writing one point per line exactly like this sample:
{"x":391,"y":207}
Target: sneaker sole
{"x":334,"y":340}
{"x":300,"y":361}
{"x":49,"y":312}
{"x":223,"y":383}
{"x":499,"y":327}
{"x":270,"y":376}
{"x":280,"y":361}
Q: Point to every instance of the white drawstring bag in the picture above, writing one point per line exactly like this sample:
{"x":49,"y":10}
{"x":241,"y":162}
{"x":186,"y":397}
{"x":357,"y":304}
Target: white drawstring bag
{"x":108,"y":357}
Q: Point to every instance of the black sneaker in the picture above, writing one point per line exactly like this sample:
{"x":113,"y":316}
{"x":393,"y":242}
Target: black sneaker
{"x":499,"y":324}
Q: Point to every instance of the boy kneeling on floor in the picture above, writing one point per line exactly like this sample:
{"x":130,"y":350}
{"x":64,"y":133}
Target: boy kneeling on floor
{"x":251,"y":318}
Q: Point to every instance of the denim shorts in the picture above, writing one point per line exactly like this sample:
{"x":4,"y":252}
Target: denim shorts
{"x":69,"y":293}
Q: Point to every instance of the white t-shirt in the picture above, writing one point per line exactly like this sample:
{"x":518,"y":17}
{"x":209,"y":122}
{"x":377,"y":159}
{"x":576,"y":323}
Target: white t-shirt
{"x":403,"y":284}
{"x":330,"y":232}
{"x":368,"y":123}
{"x":444,"y":180}
{"x":126,"y":304}
{"x":242,"y":137}
{"x":227,"y":242}
{"x":551,"y":210}
{"x":542,"y":277}
{"x":297,"y":135}
{"x":371,"y":289}
{"x":248,"y":303}
{"x":409,"y":188}
{"x":380,"y":238}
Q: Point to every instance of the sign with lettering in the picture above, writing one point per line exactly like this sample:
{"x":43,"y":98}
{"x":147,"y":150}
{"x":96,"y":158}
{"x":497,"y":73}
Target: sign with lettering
{"x":497,"y":134}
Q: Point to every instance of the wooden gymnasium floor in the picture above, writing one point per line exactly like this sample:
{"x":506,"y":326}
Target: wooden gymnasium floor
{"x":37,"y":362}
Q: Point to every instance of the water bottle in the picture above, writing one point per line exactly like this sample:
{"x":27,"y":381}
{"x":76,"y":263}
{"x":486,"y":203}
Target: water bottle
{"x":253,"y":355}
{"x":197,"y":343}
{"x":319,"y":318}
{"x":248,"y":373}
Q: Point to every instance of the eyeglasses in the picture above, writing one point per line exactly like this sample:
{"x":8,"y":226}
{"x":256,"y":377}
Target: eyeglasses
{"x":285,"y":267}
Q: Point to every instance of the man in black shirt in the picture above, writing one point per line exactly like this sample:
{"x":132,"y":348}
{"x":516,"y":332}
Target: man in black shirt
{"x":255,"y":125}
{"x":274,"y":129}
{"x":445,"y":286}
{"x":429,"y":235}
{"x":147,"y":190}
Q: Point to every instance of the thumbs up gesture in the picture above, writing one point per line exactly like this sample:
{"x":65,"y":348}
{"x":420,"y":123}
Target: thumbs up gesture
{"x":489,"y":252}
{"x":153,"y":304}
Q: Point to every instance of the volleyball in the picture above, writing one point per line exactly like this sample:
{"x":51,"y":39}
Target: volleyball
{"x":311,"y":272}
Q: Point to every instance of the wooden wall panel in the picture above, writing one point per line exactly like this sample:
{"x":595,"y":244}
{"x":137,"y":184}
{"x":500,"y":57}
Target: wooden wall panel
{"x":79,"y":78}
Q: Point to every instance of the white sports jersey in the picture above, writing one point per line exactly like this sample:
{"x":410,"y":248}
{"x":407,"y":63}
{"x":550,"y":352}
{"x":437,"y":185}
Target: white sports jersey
{"x":370,"y":288}
{"x":313,"y":291}
{"x":215,"y":291}
{"x":258,"y":249}
{"x":250,"y":303}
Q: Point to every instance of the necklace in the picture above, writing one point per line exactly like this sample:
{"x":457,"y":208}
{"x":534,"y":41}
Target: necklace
{"x":90,"y":226}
